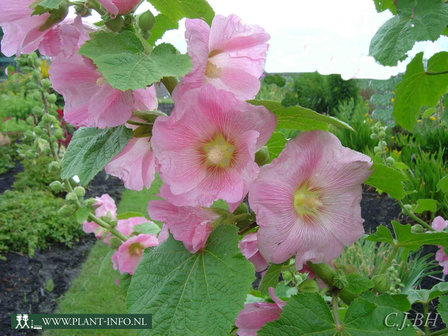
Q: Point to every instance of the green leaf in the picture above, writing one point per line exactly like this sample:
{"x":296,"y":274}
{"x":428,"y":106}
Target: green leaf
{"x":91,"y":149}
{"x":424,"y":21}
{"x":442,"y":185}
{"x":426,"y":204}
{"x":407,"y":239}
{"x":420,"y":89}
{"x":192,"y":294}
{"x":305,"y":314}
{"x":126,"y":215}
{"x":382,"y":5}
{"x":127,"y":63}
{"x":382,"y":234}
{"x":429,"y":112}
{"x":276,"y":144}
{"x":388,"y":180}
{"x":81,"y":214}
{"x":427,"y":295}
{"x":45,"y":5}
{"x":357,"y":284}
{"x":299,"y":118}
{"x":178,"y":9}
{"x":147,"y":228}
{"x":308,"y":314}
{"x":270,"y":278}
{"x":443,"y":309}
{"x":163,"y":24}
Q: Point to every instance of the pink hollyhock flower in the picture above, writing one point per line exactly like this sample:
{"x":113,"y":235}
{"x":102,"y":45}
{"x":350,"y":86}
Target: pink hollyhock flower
{"x":126,"y":226}
{"x":190,"y":225}
{"x":255,"y":315}
{"x":66,"y":38}
{"x":439,"y":224}
{"x":115,"y":7}
{"x":229,"y":55}
{"x":129,"y":254}
{"x":22,"y":31}
{"x":163,"y":234}
{"x":105,"y":205}
{"x":135,"y":165}
{"x":89,"y":100}
{"x":249,"y":249}
{"x":89,"y":227}
{"x":307,"y":200}
{"x":208,"y":152}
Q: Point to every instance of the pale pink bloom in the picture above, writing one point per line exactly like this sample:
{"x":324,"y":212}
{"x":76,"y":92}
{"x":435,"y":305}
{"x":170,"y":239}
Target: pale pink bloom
{"x":208,"y":151}
{"x":126,"y":226}
{"x":105,"y":205}
{"x":89,"y":100}
{"x":249,"y":249}
{"x":163,"y":234}
{"x":229,"y":55}
{"x":190,"y":225}
{"x":307,"y":201}
{"x":89,"y":227}
{"x":135,"y":165}
{"x":21,"y":30}
{"x":439,"y":224}
{"x":66,"y":38}
{"x":255,"y":315}
{"x":115,"y":7}
{"x":129,"y":254}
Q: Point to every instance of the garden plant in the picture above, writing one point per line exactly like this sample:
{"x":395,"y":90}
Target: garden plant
{"x":247,"y":187}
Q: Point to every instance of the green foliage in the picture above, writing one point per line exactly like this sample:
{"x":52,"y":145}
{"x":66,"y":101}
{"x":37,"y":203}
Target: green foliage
{"x":127,"y":63}
{"x":178,"y":9}
{"x":299,"y":118}
{"x":276,"y":144}
{"x":355,"y":114}
{"x":8,"y":156}
{"x":308,"y":314}
{"x":312,"y":91}
{"x":382,"y":5}
{"x":91,"y":149}
{"x":416,"y":21}
{"x":418,"y":88}
{"x":30,"y":219}
{"x":443,"y":309}
{"x":341,"y":91}
{"x":192,"y":294}
{"x":17,"y":106}
{"x":163,"y":24}
{"x":36,"y":174}
{"x":270,"y":278}
{"x":405,"y":238}
{"x":387,"y":179}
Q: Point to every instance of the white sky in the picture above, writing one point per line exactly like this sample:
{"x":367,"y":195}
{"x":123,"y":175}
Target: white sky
{"x":308,"y":35}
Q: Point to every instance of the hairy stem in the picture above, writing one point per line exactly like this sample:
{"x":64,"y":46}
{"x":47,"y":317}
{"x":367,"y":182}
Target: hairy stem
{"x":414,"y":217}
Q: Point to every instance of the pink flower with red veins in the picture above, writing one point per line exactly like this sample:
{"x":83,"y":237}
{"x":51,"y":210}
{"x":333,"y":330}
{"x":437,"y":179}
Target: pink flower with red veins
{"x":105,"y":205}
{"x":116,"y":7}
{"x":89,"y":100}
{"x":135,"y":165}
{"x":129,"y":254}
{"x":439,"y":224}
{"x":208,"y":152}
{"x":190,"y":225}
{"x":307,"y":201}
{"x":66,"y":38}
{"x":249,"y":249}
{"x":21,"y":29}
{"x":229,"y":55}
{"x":255,"y":315}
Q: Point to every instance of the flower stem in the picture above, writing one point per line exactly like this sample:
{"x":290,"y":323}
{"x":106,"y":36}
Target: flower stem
{"x":335,"y":306}
{"x":414,"y":217}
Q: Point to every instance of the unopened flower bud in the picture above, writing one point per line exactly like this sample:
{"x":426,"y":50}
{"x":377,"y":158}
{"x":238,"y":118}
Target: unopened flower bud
{"x":52,"y":98}
{"x":54,"y":166}
{"x":59,"y":134}
{"x":390,"y":160}
{"x":242,"y":209}
{"x":46,"y":83}
{"x":71,"y":197}
{"x":417,"y":228}
{"x":116,"y":25}
{"x":381,"y":282}
{"x":79,"y":191}
{"x":56,"y":186}
{"x":262,"y":156}
{"x":146,"y":21}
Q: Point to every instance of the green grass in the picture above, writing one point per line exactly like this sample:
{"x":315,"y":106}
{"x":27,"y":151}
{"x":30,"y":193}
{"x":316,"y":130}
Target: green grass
{"x":95,"y":291}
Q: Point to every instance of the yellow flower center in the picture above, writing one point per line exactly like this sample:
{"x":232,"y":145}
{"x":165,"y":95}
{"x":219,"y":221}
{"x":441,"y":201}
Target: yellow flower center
{"x":218,"y":152}
{"x":306,"y":201}
{"x":100,"y":81}
{"x":136,"y":249}
{"x":212,"y":71}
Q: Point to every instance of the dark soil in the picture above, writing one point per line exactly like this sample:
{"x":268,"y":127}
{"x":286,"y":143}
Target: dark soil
{"x":25,"y":282}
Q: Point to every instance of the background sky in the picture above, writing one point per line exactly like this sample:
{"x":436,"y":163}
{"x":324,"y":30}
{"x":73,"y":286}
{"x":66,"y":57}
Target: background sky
{"x":308,"y":35}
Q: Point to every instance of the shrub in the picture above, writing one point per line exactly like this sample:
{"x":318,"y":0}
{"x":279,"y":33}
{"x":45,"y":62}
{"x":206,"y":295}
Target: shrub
{"x":30,"y":220}
{"x":36,"y":174}
{"x":8,"y":156}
